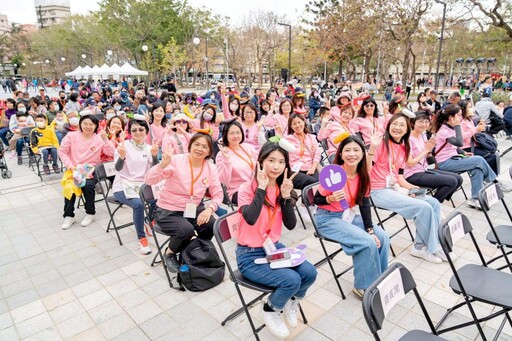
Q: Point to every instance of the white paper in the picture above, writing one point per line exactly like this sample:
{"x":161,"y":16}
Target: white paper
{"x":456,"y":228}
{"x":391,"y":291}
{"x":492,"y":195}
{"x":110,"y":168}
{"x":157,"y":189}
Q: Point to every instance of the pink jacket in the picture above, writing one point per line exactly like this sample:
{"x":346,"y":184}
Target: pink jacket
{"x":364,"y":126}
{"x":208,"y":125}
{"x":277,"y":120}
{"x":251,"y":136}
{"x":178,"y":182}
{"x":170,"y":142}
{"x":76,"y":150}
{"x":307,"y":153}
{"x":330,"y":131}
{"x":468,"y":129}
{"x":238,"y":169}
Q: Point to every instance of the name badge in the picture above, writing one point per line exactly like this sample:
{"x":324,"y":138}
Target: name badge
{"x":190,"y":210}
{"x":348,"y":216}
{"x":269,"y":246}
{"x":389,"y":181}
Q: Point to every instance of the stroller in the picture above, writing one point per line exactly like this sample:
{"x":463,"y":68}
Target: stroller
{"x":6,"y":173}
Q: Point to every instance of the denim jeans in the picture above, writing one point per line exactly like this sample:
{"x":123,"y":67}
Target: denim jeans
{"x":3,"y":135}
{"x":478,"y":169}
{"x":425,"y":211}
{"x":288,"y":282}
{"x":19,"y":145}
{"x":138,"y":212}
{"x":53,"y":152}
{"x":369,"y":261}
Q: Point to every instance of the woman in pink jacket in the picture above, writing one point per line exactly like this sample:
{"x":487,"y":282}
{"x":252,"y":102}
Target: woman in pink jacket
{"x":333,"y":126}
{"x":78,"y":148}
{"x":251,"y":126}
{"x":236,"y":161}
{"x":368,"y":122}
{"x":279,"y":122}
{"x":178,"y":135}
{"x":180,"y":212}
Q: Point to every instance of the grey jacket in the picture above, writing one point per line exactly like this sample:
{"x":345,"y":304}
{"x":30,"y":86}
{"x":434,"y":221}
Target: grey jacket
{"x":483,"y":109}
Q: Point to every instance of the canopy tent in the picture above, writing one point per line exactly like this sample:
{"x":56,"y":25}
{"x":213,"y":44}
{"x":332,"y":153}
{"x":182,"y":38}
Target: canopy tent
{"x":105,"y":71}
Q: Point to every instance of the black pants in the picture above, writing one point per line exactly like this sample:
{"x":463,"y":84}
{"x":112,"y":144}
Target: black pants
{"x":444,"y":182}
{"x":301,"y":180}
{"x":182,"y":229}
{"x":493,"y":159}
{"x":88,"y":193}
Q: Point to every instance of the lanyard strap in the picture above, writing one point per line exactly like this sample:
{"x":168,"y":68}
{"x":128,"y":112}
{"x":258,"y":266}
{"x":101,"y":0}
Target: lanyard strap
{"x":302,"y":142}
{"x":271,"y":216}
{"x":352,"y":199}
{"x":248,"y":160}
{"x":194,"y":179}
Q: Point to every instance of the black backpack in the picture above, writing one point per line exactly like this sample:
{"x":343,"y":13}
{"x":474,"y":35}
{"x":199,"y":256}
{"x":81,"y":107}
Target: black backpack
{"x":201,"y":267}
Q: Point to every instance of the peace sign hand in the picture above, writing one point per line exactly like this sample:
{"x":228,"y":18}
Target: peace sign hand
{"x":166,"y":158}
{"x":261,"y":177}
{"x":225,"y":153}
{"x":287,"y":185}
{"x":121,"y":150}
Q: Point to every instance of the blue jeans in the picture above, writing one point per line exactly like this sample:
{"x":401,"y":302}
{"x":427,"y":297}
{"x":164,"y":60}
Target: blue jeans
{"x":288,"y":282}
{"x":138,"y":212}
{"x":3,"y":135}
{"x":478,"y":169}
{"x":425,"y":211}
{"x":19,"y":145}
{"x":369,"y":261}
{"x":53,"y":152}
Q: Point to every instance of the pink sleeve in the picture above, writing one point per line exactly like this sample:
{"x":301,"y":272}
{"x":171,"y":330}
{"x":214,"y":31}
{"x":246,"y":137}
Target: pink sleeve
{"x":324,"y":133}
{"x":270,"y":121}
{"x":215,"y":188}
{"x":108,"y":148}
{"x":225,"y":107}
{"x":318,"y":151}
{"x":224,"y":168}
{"x":353,"y":126}
{"x":64,"y":151}
{"x":245,"y":194}
{"x":157,"y":174}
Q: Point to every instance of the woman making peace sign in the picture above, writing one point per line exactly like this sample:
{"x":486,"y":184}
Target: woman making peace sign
{"x":265,"y":204}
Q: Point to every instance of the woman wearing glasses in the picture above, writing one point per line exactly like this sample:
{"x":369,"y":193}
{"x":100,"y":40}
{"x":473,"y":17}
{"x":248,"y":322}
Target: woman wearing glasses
{"x":368,"y":122}
{"x":179,"y":134}
{"x":133,"y":159}
{"x":251,"y":127}
{"x":236,"y":160}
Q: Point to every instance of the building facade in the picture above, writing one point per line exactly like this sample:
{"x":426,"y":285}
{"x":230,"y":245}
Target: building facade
{"x":51,"y":12}
{"x":4,"y":24}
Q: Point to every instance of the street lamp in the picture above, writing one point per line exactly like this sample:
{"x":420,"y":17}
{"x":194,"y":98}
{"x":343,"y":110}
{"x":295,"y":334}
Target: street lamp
{"x":440,"y":43}
{"x":63,"y":59}
{"x":289,"y":49}
{"x":109,"y":52}
{"x":145,"y":48}
{"x":196,"y":42}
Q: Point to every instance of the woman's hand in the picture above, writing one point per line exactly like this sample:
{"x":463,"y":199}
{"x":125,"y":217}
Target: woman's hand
{"x":337,"y":196}
{"x":121,"y":150}
{"x":377,"y":240}
{"x":204,"y":216}
{"x":261,"y":177}
{"x":166,"y":159}
{"x":103,"y":135}
{"x":430,"y":144}
{"x":279,"y":130}
{"x":287,"y":185}
{"x":311,"y":171}
{"x":154,"y":150}
{"x":481,"y":126}
{"x":376,"y":140}
{"x":225,"y":153}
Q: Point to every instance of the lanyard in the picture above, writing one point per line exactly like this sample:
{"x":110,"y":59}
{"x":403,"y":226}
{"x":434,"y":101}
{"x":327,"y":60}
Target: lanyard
{"x":374,"y":123}
{"x":194,"y":180}
{"x":271,"y":216}
{"x":248,"y":160}
{"x":302,"y":142}
{"x":391,"y":157}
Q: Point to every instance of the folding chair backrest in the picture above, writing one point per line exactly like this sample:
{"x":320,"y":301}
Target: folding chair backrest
{"x":389,"y":289}
{"x":453,"y":228}
{"x":103,"y":171}
{"x":26,"y":131}
{"x":146,"y":193}
{"x":489,"y":195}
{"x":222,"y":233}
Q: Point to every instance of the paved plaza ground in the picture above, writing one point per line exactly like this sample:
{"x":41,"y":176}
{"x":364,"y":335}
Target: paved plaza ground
{"x":80,"y":284}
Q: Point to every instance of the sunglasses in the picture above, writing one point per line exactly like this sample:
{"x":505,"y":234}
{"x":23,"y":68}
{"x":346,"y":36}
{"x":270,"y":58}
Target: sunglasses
{"x":140,"y":130}
{"x":369,"y":105}
{"x":181,"y":122}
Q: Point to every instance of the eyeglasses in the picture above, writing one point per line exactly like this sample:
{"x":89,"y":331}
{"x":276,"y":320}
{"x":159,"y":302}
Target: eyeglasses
{"x":231,"y":133}
{"x":181,"y":122}
{"x":140,"y":130}
{"x":369,"y":105}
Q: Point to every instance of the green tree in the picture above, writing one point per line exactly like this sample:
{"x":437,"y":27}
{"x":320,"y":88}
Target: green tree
{"x":172,"y":56}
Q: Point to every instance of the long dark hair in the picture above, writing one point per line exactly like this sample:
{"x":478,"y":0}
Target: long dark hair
{"x":395,"y":103}
{"x":214,"y":116}
{"x":464,"y":107}
{"x":362,"y":113}
{"x":444,"y":115}
{"x":157,"y":105}
{"x":265,"y":151}
{"x":405,"y":138}
{"x":362,"y":167}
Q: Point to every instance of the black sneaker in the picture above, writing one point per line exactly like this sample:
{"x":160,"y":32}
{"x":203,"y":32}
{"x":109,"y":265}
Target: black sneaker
{"x":20,"y":160}
{"x":172,"y":262}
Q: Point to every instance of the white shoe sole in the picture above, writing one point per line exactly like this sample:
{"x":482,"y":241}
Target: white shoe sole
{"x":68,"y":226}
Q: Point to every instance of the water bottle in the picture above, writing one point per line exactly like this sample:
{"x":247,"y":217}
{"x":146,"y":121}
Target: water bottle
{"x":184,"y":268}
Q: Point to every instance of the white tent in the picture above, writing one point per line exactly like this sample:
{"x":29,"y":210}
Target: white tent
{"x":86,"y":71}
{"x":74,"y":72}
{"x":95,"y":70}
{"x":105,"y":70}
{"x":115,"y":69}
{"x":128,"y":70}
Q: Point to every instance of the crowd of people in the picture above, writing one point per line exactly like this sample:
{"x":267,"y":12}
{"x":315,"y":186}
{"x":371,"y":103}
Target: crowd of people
{"x":259,"y":149}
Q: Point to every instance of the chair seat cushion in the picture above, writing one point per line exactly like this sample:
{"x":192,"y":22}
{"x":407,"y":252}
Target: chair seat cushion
{"x":113,"y":200}
{"x":250,"y":284}
{"x":420,"y":335}
{"x":485,"y":284}
{"x":504,"y":233}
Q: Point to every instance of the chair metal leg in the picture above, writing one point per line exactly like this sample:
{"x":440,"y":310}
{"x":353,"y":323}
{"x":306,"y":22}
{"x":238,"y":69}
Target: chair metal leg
{"x":300,"y":216}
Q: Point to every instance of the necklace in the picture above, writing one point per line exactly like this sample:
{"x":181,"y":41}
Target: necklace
{"x":138,"y":146}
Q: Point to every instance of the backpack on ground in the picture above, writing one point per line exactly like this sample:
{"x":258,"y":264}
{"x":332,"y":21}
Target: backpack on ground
{"x":201,"y":267}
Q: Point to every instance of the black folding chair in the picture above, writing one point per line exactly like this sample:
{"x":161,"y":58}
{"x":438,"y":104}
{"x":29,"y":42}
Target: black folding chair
{"x":104,"y":185}
{"x":25,"y":134}
{"x":474,"y":282}
{"x":391,"y":215}
{"x":307,"y":197}
{"x":500,"y":235}
{"x":222,"y":233}
{"x":147,"y":197}
{"x":389,"y":289}
{"x":226,"y":199}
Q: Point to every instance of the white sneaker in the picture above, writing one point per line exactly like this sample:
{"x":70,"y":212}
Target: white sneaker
{"x":274,"y":322}
{"x":290,"y":312}
{"x":504,"y":187}
{"x":68,"y":221}
{"x":423,"y":253}
{"x":474,"y":203}
{"x":89,"y":218}
{"x":144,"y":246}
{"x":441,"y":255}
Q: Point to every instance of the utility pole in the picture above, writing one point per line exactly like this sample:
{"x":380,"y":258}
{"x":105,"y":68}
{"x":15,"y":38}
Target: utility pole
{"x":41,"y":16}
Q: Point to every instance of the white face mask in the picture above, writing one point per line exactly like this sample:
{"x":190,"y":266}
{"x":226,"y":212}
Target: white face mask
{"x":41,"y":124}
{"x":117,"y":107}
{"x":233,"y":106}
{"x":207,"y":116}
{"x":110,"y":115}
{"x":23,"y":110}
{"x":74,"y":121}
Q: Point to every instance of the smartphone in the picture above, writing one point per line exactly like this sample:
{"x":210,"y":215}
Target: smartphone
{"x":278,"y":256}
{"x":418,"y":192}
